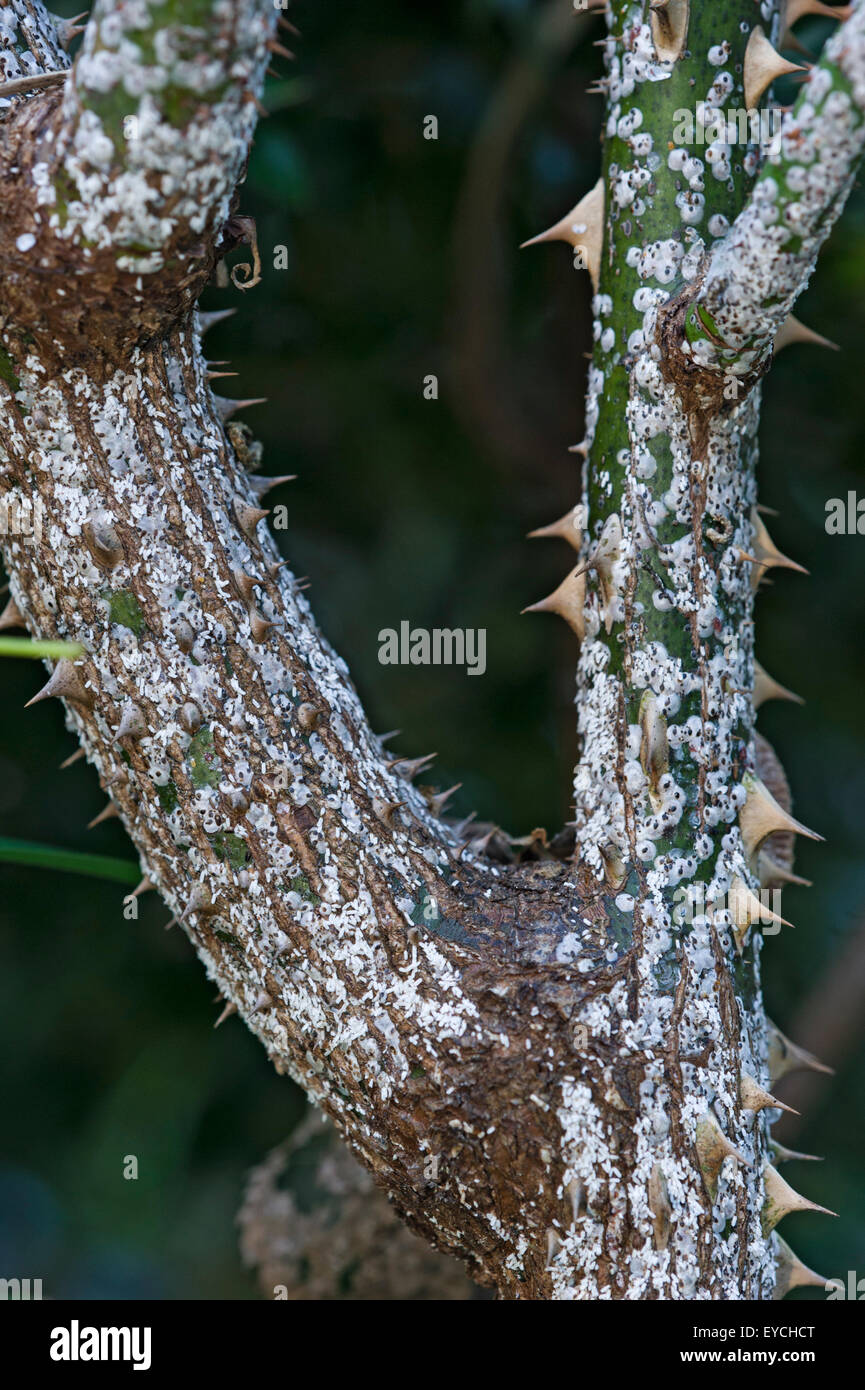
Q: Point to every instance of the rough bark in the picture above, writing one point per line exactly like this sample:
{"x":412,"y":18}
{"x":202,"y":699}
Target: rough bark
{"x":533,"y":1058}
{"x":314,"y":1227}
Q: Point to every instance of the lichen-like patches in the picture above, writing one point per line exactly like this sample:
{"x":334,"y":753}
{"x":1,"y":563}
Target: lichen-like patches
{"x":760,"y":267}
{"x":157,"y":125}
{"x":665,"y":811}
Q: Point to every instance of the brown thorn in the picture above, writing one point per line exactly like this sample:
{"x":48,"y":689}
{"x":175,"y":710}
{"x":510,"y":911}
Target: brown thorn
{"x":111,"y":810}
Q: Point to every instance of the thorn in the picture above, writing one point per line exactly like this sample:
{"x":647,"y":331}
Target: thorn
{"x":483,"y":842}
{"x":245,"y":584}
{"x":615,"y":867}
{"x":385,"y":810}
{"x":259,"y":625}
{"x":410,"y":767}
{"x":102,"y":541}
{"x":386,"y":738}
{"x":797,"y":9}
{"x":131,"y":724}
{"x":554,"y":1245}
{"x":66,"y":684}
{"x":753,"y":1097}
{"x":766,"y":553}
{"x":659,"y":1206}
{"x":189,"y":717}
{"x":785,"y":1056}
{"x":781,"y":1199}
{"x":286,"y":24}
{"x":260,"y":108}
{"x":274,"y":46}
{"x":260,"y":484}
{"x":172,"y":923}
{"x":19,"y":85}
{"x":11,"y":616}
{"x":69,"y":29}
{"x":109,"y":813}
{"x":783,"y":1155}
{"x":603,"y":561}
{"x":654,"y":748}
{"x":229,"y":1009}
{"x":199,"y":901}
{"x":73,"y":758}
{"x":207,"y":321}
{"x":215,"y":376}
{"x":791,"y":1273}
{"x":713,"y":1148}
{"x":248,"y":517}
{"x":792,"y":331}
{"x":774,"y":875}
{"x":567,"y":601}
{"x":583,"y":228}
{"x":582,"y":448}
{"x":391,"y":763}
{"x":226,"y":408}
{"x":762,"y":66}
{"x":184,"y":635}
{"x":308,"y":717}
{"x":575,"y":1194}
{"x":273,"y":570}
{"x":438,"y":801}
{"x":766,"y":688}
{"x":669,"y":20}
{"x":761,"y":816}
{"x":145,"y":886}
{"x":569,"y":527}
{"x":746,"y":909}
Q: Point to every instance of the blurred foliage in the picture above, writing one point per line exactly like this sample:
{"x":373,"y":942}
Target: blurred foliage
{"x":402,"y":262}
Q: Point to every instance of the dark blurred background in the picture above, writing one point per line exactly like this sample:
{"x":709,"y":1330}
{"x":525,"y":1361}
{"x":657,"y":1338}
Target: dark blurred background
{"x":402,"y":263}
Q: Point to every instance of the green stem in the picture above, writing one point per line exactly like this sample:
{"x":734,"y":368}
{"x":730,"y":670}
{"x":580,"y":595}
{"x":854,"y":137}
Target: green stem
{"x":69,"y":861}
{"x":52,"y":651}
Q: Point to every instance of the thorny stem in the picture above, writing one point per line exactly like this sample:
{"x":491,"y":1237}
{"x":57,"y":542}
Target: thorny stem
{"x":664,"y":680}
{"x":522,"y":1054}
{"x":756,"y":272}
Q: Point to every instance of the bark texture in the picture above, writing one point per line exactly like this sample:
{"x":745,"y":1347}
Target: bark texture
{"x":314,"y":1228}
{"x":541,"y":1059}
